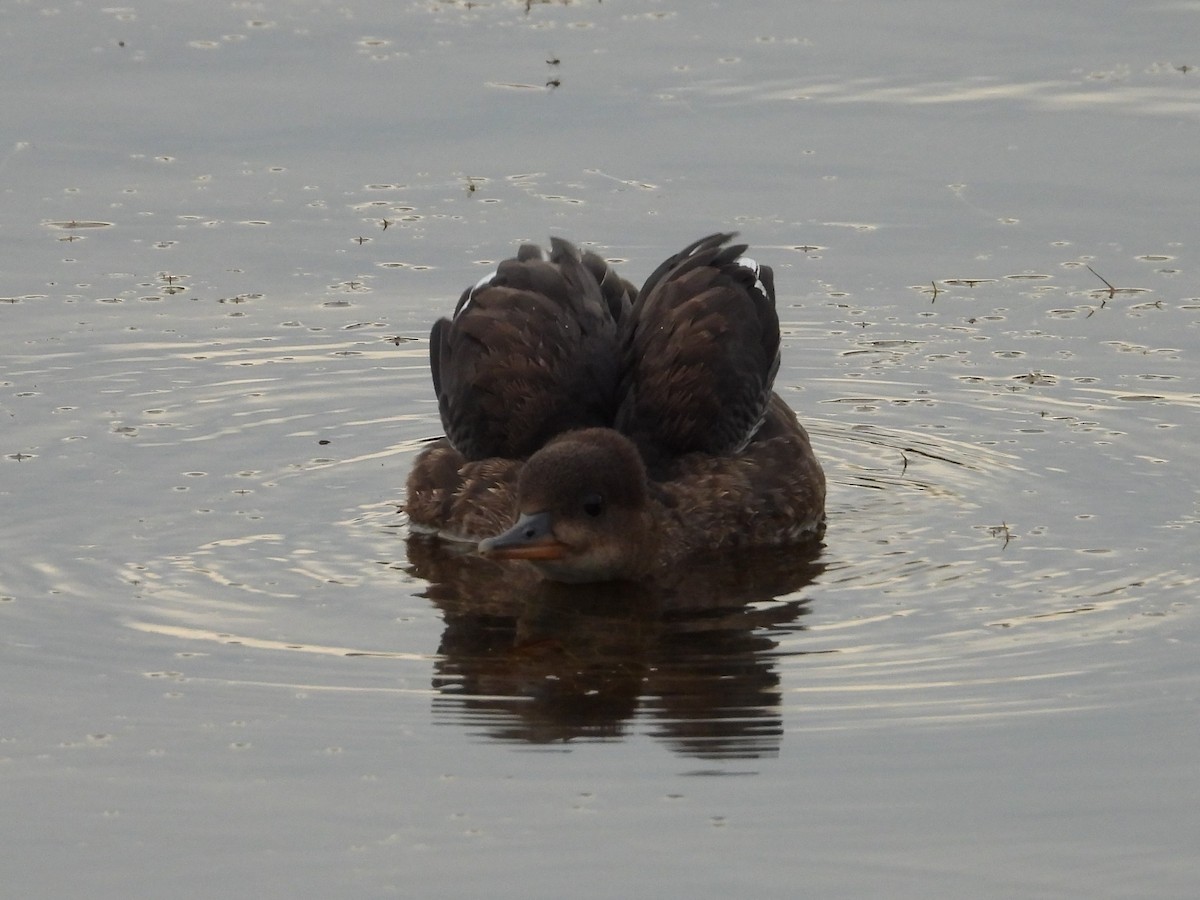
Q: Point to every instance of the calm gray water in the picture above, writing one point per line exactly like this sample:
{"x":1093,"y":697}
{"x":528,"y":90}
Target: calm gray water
{"x":225,"y":671}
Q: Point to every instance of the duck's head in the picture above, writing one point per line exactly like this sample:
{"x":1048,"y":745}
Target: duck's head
{"x":582,"y":510}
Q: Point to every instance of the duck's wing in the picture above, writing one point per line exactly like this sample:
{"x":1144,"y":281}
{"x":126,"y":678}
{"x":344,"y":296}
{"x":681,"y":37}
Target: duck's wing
{"x":530,"y":352}
{"x":700,"y":353}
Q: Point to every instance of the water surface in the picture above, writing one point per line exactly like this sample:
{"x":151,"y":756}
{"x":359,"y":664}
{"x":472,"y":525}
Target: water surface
{"x":228,"y":671}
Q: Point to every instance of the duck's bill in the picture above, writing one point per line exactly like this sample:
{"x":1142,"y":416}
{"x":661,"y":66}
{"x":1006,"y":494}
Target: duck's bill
{"x":531,"y":538}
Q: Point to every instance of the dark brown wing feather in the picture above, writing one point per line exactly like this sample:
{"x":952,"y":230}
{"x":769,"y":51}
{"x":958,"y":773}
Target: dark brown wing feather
{"x":529,"y":353}
{"x":700,"y":353}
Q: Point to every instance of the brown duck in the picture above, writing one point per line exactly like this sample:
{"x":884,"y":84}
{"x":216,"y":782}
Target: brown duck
{"x":604,"y":433}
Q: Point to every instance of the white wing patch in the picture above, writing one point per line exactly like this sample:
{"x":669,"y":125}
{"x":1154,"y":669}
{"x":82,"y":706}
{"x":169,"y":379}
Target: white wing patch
{"x":747,"y":263}
{"x":481,"y":283}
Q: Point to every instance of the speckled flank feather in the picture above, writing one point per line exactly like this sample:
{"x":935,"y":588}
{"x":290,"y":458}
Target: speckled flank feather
{"x":462,"y":500}
{"x":773,"y":493}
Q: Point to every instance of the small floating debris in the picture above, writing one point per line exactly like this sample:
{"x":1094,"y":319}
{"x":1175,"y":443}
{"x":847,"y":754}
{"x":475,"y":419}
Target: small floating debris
{"x":967,"y":282}
{"x":79,"y":223}
{"x":1036,"y":378}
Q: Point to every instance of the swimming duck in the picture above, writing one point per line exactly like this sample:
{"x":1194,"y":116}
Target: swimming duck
{"x":602,"y":432}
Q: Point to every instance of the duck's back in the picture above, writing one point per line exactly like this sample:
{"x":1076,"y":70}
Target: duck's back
{"x":531,"y":351}
{"x":700,"y":353}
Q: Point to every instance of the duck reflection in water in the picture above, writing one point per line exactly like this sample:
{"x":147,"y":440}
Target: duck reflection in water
{"x":603,"y":433}
{"x":694,"y":655}
{"x":624,"y":481}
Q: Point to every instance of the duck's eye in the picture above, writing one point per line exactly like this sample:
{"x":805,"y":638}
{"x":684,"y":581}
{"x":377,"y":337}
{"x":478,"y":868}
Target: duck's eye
{"x":593,"y":505}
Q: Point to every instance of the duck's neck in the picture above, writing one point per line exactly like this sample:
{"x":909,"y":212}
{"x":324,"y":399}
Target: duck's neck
{"x":645,"y":548}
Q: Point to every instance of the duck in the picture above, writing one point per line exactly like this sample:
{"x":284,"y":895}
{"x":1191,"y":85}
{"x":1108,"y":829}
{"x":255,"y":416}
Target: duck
{"x":601,"y":432}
